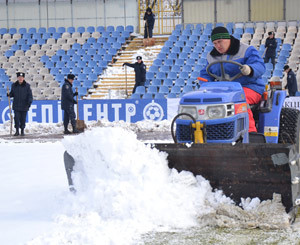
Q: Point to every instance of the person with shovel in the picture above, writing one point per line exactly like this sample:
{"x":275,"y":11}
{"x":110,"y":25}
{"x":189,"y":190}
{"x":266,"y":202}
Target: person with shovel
{"x":67,"y":104}
{"x":149,"y":19}
{"x":22,"y":94}
{"x":140,"y":72}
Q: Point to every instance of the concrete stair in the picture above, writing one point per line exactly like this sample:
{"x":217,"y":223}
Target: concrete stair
{"x":114,"y":82}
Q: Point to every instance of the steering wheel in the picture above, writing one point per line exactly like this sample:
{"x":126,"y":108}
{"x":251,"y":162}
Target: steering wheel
{"x":224,"y":76}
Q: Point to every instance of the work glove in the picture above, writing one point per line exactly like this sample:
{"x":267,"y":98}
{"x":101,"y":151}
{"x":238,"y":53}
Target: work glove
{"x":76,"y":93}
{"x":245,"y":70}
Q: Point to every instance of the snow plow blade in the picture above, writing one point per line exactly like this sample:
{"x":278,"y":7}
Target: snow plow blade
{"x":242,"y":170}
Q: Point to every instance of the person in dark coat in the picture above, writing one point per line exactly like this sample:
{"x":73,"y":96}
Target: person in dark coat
{"x":22,"y":94}
{"x":271,"y":45}
{"x":67,"y":104}
{"x":291,"y":81}
{"x":140,"y":72}
{"x":149,"y":19}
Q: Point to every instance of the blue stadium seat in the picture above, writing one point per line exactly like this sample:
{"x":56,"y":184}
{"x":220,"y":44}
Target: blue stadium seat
{"x":61,"y":29}
{"x":161,"y":75}
{"x":186,"y":33}
{"x":176,"y":33}
{"x":187,"y":88}
{"x":125,"y":34}
{"x":187,"y":49}
{"x":51,"y":29}
{"x":102,"y":63}
{"x":169,"y":62}
{"x":82,"y":91}
{"x":12,"y":31}
{"x":30,"y":42}
{"x":196,"y":32}
{"x":179,"y":62}
{"x":106,"y":46}
{"x":152,"y":89}
{"x":168,"y":44}
{"x":199,"y":26}
{"x":157,"y":62}
{"x":135,"y":96}
{"x":112,"y":51}
{"x":148,"y":96}
{"x":2,"y":71}
{"x":70,"y":64}
{"x":194,"y":55}
{"x":98,"y":70}
{"x":92,"y":63}
{"x":172,"y":75}
{"x":76,"y":84}
{"x":110,"y":28}
{"x":183,"y":38}
{"x":198,"y":68}
{"x":165,"y":68}
{"x":191,"y":82}
{"x":14,"y":47}
{"x":161,"y":56}
{"x":87,"y":70}
{"x":65,"y":58}
{"x":117,"y":45}
{"x":191,"y":43}
{"x":168,"y":82}
{"x":278,"y":73}
{"x":159,"y":96}
{"x":189,"y":27}
{"x":86,"y":46}
{"x":32,"y":30}
{"x":60,"y":64}
{"x":176,"y":89}
{"x":187,"y":68}
{"x":204,"y":37}
{"x":60,"y":52}
{"x":90,"y":29}
{"x":54,"y":71}
{"x":171,"y":96}
{"x":184,"y":75}
{"x":149,"y":75}
{"x":87,"y":84}
{"x":21,"y":31}
{"x":178,"y":27}
{"x":140,"y":90}
{"x":81,"y":29}
{"x":249,"y":30}
{"x":284,"y":52}
{"x":71,"y":29}
{"x":76,"y":57}
{"x":65,"y":70}
{"x":3,"y":31}
{"x":195,"y":74}
{"x":49,"y":64}
{"x":9,"y":53}
{"x":180,"y":82}
{"x":75,"y":70}
{"x":115,"y":34}
{"x":172,"y":38}
{"x":176,"y":68}
{"x":129,"y":28}
{"x":100,"y":29}
{"x":156,"y":82}
{"x":191,"y":61}
{"x":81,"y":64}
{"x":183,"y":56}
{"x":42,"y":30}
{"x":86,"y":57}
{"x":173,"y":56}
{"x":56,"y":35}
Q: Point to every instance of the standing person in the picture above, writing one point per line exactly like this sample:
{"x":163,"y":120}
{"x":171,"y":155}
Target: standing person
{"x":22,"y":94}
{"x":140,"y":72}
{"x":67,"y":104}
{"x":271,"y":45}
{"x":291,"y":81}
{"x":227,"y":47}
{"x":149,"y":19}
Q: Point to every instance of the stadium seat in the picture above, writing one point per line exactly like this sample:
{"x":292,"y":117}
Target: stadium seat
{"x":179,"y":82}
{"x":148,"y":96}
{"x":168,"y":82}
{"x":135,"y":96}
{"x":152,"y":89}
{"x":176,"y":90}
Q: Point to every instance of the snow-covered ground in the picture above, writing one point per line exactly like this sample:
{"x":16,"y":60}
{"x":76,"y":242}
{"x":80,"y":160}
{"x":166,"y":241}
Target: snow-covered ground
{"x":124,"y":189}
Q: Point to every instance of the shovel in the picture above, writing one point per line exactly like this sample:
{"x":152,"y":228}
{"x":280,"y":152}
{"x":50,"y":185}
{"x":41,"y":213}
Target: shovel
{"x":10,"y":115}
{"x":126,"y":90}
{"x":80,"y":125}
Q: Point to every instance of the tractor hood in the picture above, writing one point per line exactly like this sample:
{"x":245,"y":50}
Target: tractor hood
{"x":215,"y":92}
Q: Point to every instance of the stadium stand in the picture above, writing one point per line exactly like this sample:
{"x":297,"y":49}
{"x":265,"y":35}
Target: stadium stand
{"x":47,"y":56}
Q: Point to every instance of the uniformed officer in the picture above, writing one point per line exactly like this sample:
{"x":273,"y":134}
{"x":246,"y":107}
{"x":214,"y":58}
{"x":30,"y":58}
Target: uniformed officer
{"x":67,"y":104}
{"x":140,"y":72}
{"x":22,"y":94}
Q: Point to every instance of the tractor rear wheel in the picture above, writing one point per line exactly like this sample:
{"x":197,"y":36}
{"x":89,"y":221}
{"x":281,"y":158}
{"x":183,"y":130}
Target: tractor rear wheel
{"x":289,"y":130}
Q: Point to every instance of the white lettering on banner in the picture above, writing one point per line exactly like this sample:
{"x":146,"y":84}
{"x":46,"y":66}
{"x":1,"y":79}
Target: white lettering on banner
{"x":31,"y":114}
{"x":3,"y":114}
{"x":102,"y":114}
{"x":59,"y":112}
{"x":116,"y":108}
{"x":45,"y":109}
{"x":130,"y":111}
{"x":292,"y":102}
{"x":86,"y":112}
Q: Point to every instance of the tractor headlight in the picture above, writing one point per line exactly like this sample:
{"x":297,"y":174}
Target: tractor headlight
{"x":214,"y":112}
{"x":192,"y":110}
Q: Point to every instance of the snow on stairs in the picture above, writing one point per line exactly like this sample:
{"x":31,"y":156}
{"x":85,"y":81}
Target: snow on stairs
{"x":113,"y":82}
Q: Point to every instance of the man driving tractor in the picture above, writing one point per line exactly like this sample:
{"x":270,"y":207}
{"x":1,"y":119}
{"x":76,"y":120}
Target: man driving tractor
{"x":226,"y":47}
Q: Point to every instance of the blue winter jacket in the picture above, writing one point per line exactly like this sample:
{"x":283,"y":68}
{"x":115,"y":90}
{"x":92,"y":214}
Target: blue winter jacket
{"x":243,"y":54}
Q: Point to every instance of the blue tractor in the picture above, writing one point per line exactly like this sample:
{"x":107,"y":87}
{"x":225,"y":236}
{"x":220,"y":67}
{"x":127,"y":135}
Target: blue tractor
{"x":212,"y":140}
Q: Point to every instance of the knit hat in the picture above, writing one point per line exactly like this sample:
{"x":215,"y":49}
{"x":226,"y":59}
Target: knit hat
{"x":219,"y":32}
{"x":149,"y":10}
{"x":286,"y":67}
{"x":20,"y":74}
{"x":139,"y":57}
{"x":71,"y":76}
{"x":270,"y":33}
